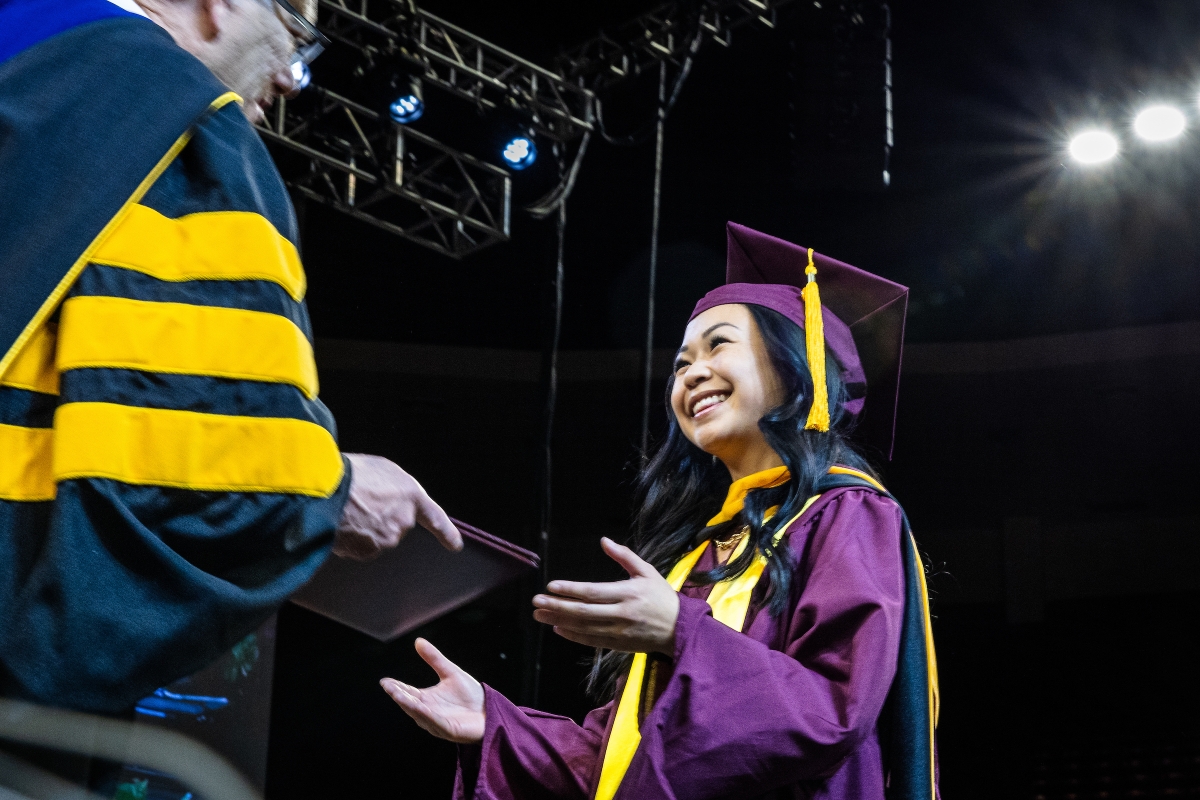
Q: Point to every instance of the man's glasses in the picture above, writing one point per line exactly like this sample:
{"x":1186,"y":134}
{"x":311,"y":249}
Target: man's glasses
{"x":310,"y":42}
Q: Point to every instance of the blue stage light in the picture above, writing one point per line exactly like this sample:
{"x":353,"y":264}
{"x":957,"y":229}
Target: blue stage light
{"x":519,"y":152}
{"x":301,"y":74}
{"x":406,"y":109}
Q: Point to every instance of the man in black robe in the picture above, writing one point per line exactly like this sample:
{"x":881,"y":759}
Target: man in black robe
{"x":168,"y":476}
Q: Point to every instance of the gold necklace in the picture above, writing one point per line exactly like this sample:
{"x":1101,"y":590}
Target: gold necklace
{"x":732,"y":540}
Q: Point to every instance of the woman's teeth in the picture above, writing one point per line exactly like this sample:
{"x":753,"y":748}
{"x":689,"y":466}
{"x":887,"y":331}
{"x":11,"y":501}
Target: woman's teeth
{"x":706,"y":402}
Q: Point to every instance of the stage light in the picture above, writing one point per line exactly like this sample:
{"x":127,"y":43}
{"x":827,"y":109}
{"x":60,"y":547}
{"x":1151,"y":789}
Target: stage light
{"x":1093,"y":147}
{"x":407,"y":108}
{"x":519,"y":152}
{"x":301,"y":74}
{"x":1159,"y":123}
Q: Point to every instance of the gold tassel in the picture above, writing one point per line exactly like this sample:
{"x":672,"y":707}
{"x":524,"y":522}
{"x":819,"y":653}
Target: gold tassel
{"x":814,"y":341}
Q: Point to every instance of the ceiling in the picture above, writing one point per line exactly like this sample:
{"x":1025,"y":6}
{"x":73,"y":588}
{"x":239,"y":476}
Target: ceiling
{"x":997,"y":234}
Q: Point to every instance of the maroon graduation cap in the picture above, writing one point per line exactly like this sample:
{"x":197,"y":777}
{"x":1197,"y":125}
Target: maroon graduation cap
{"x":860,"y":317}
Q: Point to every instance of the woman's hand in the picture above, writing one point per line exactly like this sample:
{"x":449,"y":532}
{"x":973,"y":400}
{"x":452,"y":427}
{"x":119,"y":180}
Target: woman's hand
{"x":635,"y":616}
{"x":453,"y":709}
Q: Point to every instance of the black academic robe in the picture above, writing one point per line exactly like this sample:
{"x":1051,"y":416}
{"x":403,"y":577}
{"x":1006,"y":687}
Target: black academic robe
{"x":168,"y":476}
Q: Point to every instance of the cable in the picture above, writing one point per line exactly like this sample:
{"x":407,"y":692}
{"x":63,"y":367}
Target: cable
{"x":648,"y":354}
{"x":642,"y":135}
{"x":550,"y":371}
{"x":557,"y":197}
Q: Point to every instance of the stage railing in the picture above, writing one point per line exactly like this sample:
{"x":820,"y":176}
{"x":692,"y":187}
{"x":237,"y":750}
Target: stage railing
{"x":199,"y":768}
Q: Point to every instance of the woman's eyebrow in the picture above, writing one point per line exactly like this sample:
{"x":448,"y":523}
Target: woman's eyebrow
{"x":718,"y":325}
{"x":685,"y":348}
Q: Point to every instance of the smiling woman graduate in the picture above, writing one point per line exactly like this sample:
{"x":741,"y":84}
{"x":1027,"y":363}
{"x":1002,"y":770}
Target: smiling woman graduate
{"x":773,"y":637}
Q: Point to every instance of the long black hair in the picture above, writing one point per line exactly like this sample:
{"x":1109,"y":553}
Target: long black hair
{"x":682,"y":487}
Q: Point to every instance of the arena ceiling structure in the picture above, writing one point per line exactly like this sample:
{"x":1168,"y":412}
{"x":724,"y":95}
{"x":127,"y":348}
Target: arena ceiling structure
{"x":346,"y":141}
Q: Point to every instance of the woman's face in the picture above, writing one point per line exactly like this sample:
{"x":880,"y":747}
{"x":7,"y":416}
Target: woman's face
{"x":724,"y":384}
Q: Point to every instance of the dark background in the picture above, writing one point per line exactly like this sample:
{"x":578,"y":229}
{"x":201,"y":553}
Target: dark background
{"x":1054,"y":498}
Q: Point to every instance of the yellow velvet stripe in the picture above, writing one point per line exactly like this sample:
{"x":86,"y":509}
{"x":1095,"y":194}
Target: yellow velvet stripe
{"x":190,"y":450}
{"x":185,"y":339}
{"x":33,"y":366}
{"x":25,"y":463}
{"x":935,"y":700}
{"x":625,"y":737}
{"x":836,"y":470}
{"x":215,"y":245}
{"x":51,"y":302}
{"x":930,"y":651}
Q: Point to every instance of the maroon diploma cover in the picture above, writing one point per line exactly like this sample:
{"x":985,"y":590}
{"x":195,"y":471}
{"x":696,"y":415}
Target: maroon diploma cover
{"x":413,"y":583}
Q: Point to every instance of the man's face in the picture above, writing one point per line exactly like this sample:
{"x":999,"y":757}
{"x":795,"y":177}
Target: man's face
{"x":251,"y":50}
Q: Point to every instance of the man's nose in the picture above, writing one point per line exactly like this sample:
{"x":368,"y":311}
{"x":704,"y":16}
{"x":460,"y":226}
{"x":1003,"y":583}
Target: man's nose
{"x":285,"y":82}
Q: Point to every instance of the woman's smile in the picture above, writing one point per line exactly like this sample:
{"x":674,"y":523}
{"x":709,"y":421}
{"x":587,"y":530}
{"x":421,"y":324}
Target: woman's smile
{"x":704,"y":403}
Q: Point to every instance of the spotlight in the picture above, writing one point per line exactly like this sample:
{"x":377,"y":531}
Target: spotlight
{"x":1159,"y":123}
{"x":519,"y":152}
{"x":407,"y":108}
{"x":1093,"y":147}
{"x":301,"y":74}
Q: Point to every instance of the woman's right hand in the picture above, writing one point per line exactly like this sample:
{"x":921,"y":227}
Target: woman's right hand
{"x":452,"y":709}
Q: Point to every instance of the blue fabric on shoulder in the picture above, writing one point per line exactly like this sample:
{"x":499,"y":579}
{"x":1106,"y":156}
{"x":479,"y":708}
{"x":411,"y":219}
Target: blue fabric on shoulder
{"x":24,"y":23}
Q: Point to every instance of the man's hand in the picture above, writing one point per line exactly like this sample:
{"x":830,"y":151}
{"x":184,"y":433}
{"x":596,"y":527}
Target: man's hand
{"x":634,"y":616}
{"x":452,"y":709}
{"x":385,"y":503}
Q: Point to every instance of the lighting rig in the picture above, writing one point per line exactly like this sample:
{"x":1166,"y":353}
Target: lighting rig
{"x":370,"y":165}
{"x":376,"y":169}
{"x":668,"y":33}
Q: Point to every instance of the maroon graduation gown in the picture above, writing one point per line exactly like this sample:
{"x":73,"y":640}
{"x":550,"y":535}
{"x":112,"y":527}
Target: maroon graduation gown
{"x":786,"y":708}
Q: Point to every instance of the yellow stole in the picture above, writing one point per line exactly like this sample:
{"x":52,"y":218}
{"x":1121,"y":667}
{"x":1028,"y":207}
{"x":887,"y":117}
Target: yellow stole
{"x":729,"y":600}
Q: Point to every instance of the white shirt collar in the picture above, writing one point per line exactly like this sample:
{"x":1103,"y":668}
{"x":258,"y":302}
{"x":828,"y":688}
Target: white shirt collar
{"x":130,"y":6}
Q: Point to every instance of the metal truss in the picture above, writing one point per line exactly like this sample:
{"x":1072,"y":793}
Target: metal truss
{"x":390,"y":176}
{"x":461,"y":63}
{"x":353,"y":159}
{"x":665,"y":34}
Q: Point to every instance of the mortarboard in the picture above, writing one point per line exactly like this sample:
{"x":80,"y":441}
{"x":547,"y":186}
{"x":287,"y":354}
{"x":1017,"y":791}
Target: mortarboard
{"x":859,"y":315}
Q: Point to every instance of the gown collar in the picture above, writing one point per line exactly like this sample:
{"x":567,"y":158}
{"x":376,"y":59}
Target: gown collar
{"x":767,"y":478}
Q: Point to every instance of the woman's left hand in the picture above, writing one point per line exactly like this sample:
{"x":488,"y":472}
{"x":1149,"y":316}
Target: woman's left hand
{"x":634,"y":616}
{"x":452,"y":709}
